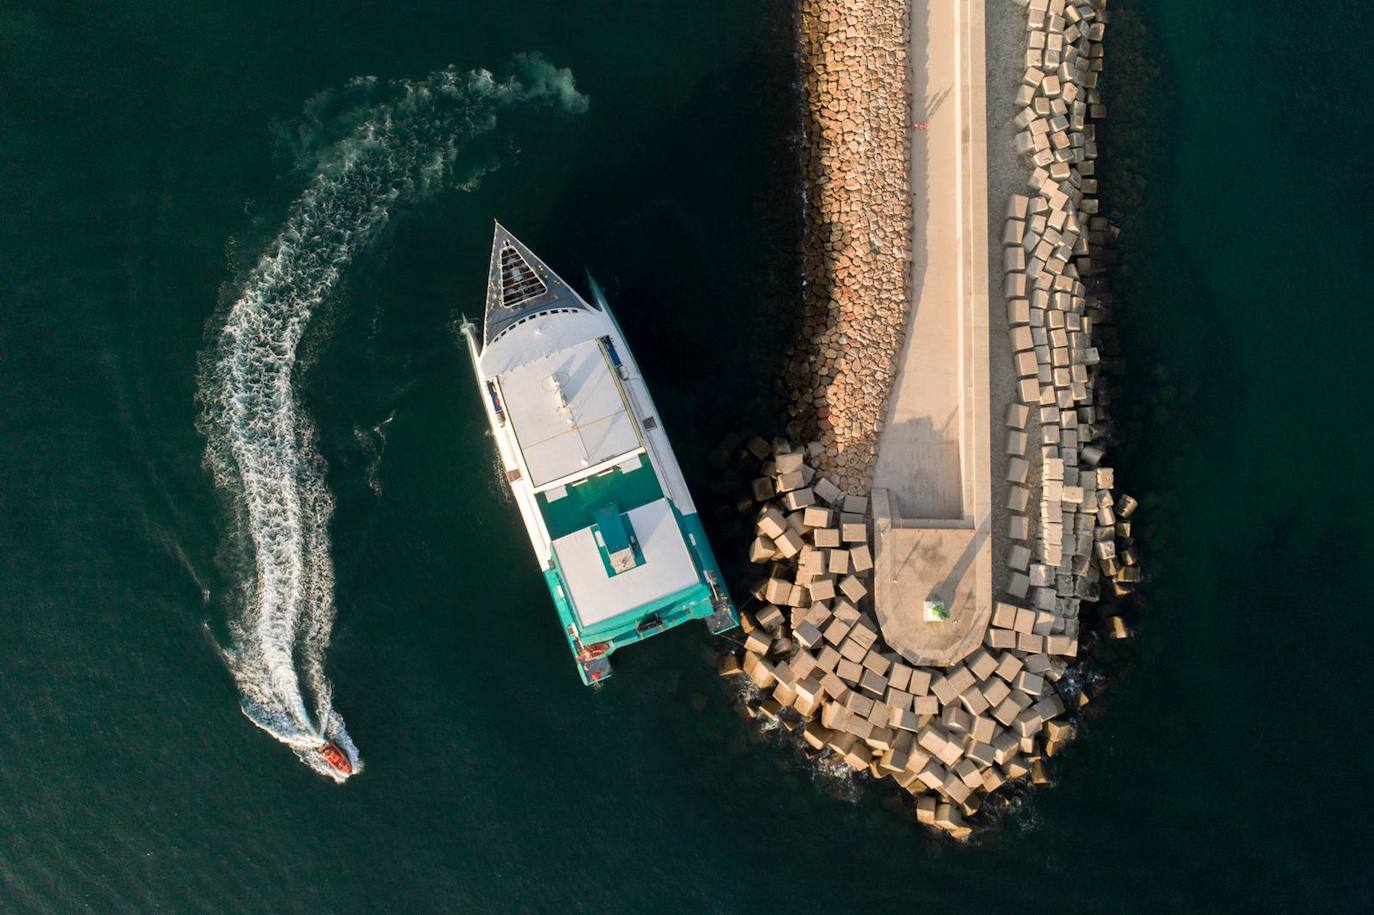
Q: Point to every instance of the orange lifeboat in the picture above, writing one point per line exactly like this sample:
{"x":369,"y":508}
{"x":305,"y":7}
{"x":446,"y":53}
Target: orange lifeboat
{"x":336,"y":758}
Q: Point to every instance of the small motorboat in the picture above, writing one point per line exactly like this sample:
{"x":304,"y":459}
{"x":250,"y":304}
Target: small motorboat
{"x":336,"y":758}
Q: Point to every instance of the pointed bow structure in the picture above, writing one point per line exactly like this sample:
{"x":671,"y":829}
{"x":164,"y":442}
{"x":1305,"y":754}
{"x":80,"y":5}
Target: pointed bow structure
{"x":519,"y":284}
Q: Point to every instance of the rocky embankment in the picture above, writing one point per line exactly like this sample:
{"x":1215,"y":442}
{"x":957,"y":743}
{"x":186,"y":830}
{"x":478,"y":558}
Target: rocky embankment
{"x":813,"y":651}
{"x":856,"y":235}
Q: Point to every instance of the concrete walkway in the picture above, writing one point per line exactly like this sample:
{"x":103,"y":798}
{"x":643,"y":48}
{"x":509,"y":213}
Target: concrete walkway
{"x":933,"y":466}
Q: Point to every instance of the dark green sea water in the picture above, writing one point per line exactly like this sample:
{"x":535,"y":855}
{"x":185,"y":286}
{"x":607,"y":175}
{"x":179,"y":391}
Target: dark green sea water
{"x":151,"y":152}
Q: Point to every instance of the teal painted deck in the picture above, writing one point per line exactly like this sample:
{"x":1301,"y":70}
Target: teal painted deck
{"x":692,"y":603}
{"x":576,"y":510}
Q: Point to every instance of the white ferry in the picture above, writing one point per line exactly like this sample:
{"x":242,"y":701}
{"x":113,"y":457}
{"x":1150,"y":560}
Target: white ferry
{"x":599,"y":489}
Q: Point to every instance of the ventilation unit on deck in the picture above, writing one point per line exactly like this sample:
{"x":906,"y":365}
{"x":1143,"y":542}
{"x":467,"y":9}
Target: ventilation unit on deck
{"x":519,"y":282}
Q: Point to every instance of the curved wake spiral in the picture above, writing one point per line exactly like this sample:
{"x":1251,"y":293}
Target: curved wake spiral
{"x":393,"y":142}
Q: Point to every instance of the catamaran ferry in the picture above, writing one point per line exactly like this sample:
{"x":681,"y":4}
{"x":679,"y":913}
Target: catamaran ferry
{"x":598,"y":486}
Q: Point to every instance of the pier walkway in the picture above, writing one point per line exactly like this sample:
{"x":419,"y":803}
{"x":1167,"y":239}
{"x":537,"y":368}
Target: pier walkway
{"x":932,"y":488}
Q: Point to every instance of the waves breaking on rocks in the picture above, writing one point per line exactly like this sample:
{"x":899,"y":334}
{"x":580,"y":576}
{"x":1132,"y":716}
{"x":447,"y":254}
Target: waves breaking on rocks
{"x":369,"y":147}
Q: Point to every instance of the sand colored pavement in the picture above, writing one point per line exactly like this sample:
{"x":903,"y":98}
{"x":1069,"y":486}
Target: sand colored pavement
{"x":933,"y":463}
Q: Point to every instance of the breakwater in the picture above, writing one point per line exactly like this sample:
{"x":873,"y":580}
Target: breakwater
{"x":818,"y":655}
{"x":856,"y":233}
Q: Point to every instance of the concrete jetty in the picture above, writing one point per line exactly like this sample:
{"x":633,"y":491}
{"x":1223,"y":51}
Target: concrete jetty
{"x":918,"y":612}
{"x":932,"y":480}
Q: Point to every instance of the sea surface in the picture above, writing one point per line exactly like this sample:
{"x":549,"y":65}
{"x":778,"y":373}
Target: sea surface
{"x":243,"y":468}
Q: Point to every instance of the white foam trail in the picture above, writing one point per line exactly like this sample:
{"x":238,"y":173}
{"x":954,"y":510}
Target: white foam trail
{"x":392,"y":142}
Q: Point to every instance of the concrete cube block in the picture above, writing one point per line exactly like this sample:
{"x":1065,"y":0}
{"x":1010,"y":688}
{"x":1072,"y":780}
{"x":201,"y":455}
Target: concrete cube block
{"x":837,"y":630}
{"x":789,"y":543}
{"x":859,"y":704}
{"x":1018,"y":498}
{"x":851,"y":650}
{"x":865,"y":632}
{"x":838,"y":562}
{"x":903,"y":719}
{"x":926,"y":706}
{"x":854,"y":532}
{"x":875,"y":684}
{"x":1007,"y":712}
{"x":1062,"y":645}
{"x":950,"y":753}
{"x":1018,"y":559}
{"x":1009,"y":666}
{"x":943,"y":689}
{"x":759,"y":671}
{"x":846,"y":611}
{"x":1029,"y":683}
{"x":849,"y":671}
{"x":763,"y":550}
{"x":822,"y":588}
{"x":960,"y":677}
{"x":852,"y":588}
{"x":877,"y":662}
{"x":974,"y":701}
{"x":777,"y":590}
{"x":980,"y":664}
{"x":860,"y":558}
{"x":968,"y":772}
{"x":827,"y":656}
{"x":856,"y":505}
{"x":995,"y":690}
{"x":933,"y":775}
{"x":771,"y":523}
{"x":762,"y":489}
{"x":758,"y":641}
{"x":827,"y":491}
{"x":770,"y":617}
{"x":896,"y":698}
{"x":825,"y":537}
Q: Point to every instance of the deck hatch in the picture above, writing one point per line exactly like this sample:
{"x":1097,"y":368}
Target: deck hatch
{"x":519,"y":282}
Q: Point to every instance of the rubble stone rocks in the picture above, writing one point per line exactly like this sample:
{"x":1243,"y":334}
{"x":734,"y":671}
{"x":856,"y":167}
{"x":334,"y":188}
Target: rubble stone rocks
{"x":856,"y":234}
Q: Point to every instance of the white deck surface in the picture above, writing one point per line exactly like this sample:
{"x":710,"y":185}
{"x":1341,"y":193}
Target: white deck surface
{"x":567,"y":412}
{"x":667,"y":566}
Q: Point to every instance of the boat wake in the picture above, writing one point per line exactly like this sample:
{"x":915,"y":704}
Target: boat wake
{"x":369,"y":148}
